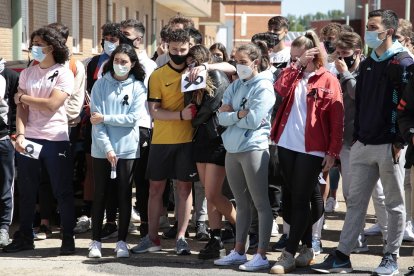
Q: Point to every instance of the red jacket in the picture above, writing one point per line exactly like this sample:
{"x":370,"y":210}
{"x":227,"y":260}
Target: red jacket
{"x":325,"y":110}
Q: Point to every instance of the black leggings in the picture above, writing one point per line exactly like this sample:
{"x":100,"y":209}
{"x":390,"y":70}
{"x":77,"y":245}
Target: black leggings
{"x":103,"y":187}
{"x":300,"y":172}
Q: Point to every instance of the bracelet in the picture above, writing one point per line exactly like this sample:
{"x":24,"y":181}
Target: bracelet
{"x":205,"y":66}
{"x":238,"y":117}
{"x":181,"y":116}
{"x":17,"y":135}
{"x":20,"y":97}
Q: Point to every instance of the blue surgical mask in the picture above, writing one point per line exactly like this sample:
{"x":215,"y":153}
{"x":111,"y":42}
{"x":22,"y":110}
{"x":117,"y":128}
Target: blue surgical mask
{"x":109,"y":47}
{"x":37,"y":53}
{"x":372,"y":40}
{"x":121,"y":70}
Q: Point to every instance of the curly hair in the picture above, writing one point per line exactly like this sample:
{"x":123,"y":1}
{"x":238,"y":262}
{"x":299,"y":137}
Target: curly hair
{"x":137,"y":70}
{"x":201,"y":54}
{"x":52,"y":38}
{"x":179,"y":19}
{"x":179,"y":35}
{"x":332,"y":28}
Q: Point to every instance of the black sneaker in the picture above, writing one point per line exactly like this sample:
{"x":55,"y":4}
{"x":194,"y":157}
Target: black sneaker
{"x":19,"y":243}
{"x":333,"y":264}
{"x":280,"y":244}
{"x":227,"y":235}
{"x":68,"y":245}
{"x":214,"y":249}
{"x":202,"y":234}
{"x":253,"y":240}
{"x":43,"y":232}
{"x":172,"y":232}
{"x":109,"y":231}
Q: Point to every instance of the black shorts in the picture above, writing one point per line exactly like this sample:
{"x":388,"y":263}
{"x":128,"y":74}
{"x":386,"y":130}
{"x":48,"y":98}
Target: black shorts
{"x":208,"y":150}
{"x":173,"y":161}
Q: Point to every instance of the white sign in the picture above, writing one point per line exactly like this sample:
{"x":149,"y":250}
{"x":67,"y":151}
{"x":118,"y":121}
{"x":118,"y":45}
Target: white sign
{"x":198,"y":83}
{"x":31,"y":149}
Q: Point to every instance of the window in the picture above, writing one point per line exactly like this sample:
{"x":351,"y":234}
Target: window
{"x":137,"y":15}
{"x":51,"y":11}
{"x":25,"y":25}
{"x":75,"y":26}
{"x":114,"y":18}
{"x":94,"y":26}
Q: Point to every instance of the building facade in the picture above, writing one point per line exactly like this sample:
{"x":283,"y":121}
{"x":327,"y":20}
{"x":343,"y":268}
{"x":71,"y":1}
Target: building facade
{"x":19,"y":18}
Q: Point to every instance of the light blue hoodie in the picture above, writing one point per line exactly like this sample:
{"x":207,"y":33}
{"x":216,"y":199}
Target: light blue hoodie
{"x":119,"y":131}
{"x":251,"y":132}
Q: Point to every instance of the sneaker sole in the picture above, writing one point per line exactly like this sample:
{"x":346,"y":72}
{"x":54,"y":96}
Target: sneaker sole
{"x":360,"y":250}
{"x":123,"y":255}
{"x":151,"y":249}
{"x":394,"y":273}
{"x":94,"y":256}
{"x":183,"y":252}
{"x":256,"y":268}
{"x":333,"y":270}
{"x":232,"y":263}
{"x":220,"y":254}
{"x":281,"y":270}
{"x":110,"y":236}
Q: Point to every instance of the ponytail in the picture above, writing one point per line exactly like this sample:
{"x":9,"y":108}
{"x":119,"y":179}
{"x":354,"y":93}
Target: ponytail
{"x":310,"y":40}
{"x":264,"y":62}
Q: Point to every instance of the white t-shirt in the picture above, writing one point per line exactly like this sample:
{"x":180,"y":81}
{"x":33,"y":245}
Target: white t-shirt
{"x":293,"y":136}
{"x":281,"y":56}
{"x":39,"y":83}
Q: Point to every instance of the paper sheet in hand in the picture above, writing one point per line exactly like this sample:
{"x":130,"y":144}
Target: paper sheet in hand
{"x":198,"y":83}
{"x":32,"y":149}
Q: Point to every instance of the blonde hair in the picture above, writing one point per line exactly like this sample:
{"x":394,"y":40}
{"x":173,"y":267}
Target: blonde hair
{"x":309,"y":41}
{"x":201,"y":54}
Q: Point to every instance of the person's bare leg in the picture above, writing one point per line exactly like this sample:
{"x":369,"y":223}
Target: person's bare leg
{"x":185,"y":203}
{"x":155,"y":207}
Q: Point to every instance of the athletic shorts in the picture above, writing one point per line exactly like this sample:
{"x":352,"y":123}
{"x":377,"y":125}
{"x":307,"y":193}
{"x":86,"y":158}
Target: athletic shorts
{"x":172,"y":161}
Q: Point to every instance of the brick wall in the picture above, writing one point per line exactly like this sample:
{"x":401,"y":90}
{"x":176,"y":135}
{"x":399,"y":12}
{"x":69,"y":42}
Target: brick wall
{"x":5,"y":30}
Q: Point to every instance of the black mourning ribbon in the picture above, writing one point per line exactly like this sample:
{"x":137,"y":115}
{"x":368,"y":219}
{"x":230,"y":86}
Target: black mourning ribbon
{"x":29,"y":149}
{"x":125,"y":100}
{"x":197,"y":81}
{"x":243,"y":103}
{"x":52,"y":77}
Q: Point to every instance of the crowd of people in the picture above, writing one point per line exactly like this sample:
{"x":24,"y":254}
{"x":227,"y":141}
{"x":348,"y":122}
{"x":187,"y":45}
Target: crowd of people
{"x":271,"y":124}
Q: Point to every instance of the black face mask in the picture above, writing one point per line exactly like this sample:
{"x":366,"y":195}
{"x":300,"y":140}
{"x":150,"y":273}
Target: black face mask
{"x":178,"y":59}
{"x":329,"y":47}
{"x":349,"y":61}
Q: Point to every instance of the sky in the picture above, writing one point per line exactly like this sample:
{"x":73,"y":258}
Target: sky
{"x":302,"y":7}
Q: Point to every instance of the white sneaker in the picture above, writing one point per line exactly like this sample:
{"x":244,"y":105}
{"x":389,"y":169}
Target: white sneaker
{"x":135,"y":217}
{"x":275,"y":229}
{"x":306,"y":257}
{"x":284,"y":264}
{"x":231,"y":259}
{"x":331,"y":205}
{"x":374,"y":230}
{"x":83,"y":225}
{"x":121,"y":250}
{"x":408,"y":232}
{"x":132,"y":229}
{"x":164,"y":222}
{"x":95,"y":250}
{"x":257,"y":263}
{"x":361,"y":245}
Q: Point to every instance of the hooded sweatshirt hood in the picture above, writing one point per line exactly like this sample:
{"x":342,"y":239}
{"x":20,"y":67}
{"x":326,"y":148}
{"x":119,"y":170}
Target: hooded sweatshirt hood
{"x":394,"y":49}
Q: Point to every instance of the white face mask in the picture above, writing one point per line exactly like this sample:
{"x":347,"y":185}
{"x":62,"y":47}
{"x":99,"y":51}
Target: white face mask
{"x":244,"y":71}
{"x":121,"y":70}
{"x":109,"y":47}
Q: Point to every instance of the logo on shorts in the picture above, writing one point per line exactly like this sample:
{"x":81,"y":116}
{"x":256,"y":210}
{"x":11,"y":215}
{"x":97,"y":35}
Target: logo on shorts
{"x":168,"y":84}
{"x":193,"y":174}
{"x":62,"y":154}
